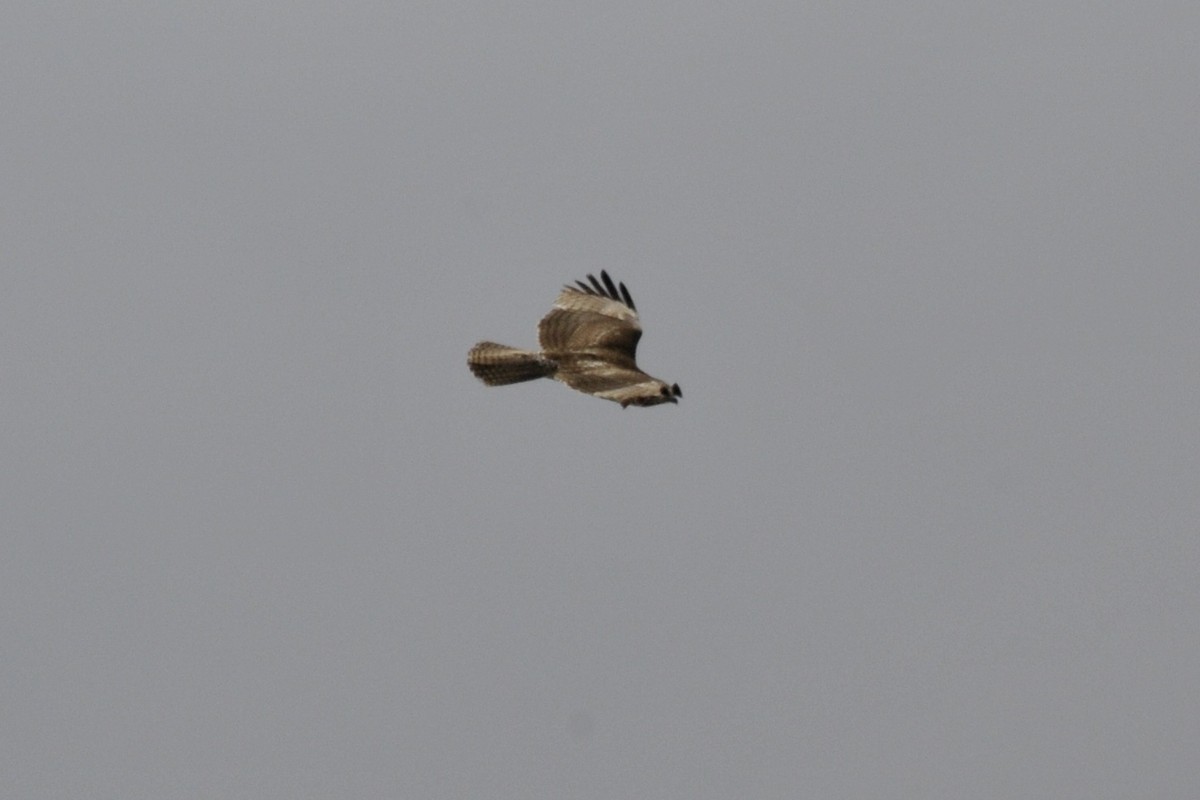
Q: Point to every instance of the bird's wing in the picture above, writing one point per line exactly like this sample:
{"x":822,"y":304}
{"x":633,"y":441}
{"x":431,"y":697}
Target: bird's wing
{"x":598,"y":320}
{"x":604,"y":379}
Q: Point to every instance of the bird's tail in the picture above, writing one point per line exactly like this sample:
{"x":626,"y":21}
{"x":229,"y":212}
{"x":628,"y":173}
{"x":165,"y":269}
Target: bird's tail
{"x":497,"y":365}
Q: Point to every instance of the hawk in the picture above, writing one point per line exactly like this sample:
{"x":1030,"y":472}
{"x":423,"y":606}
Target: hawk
{"x":589,"y":340}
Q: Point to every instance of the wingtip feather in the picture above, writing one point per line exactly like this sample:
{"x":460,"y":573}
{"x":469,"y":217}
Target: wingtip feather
{"x":609,"y":285}
{"x":628,"y":298}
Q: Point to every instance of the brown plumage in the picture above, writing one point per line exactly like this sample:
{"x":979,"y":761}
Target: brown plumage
{"x":589,"y":342}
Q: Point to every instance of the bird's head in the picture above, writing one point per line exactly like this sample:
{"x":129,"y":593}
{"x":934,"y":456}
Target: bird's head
{"x":664,"y":393}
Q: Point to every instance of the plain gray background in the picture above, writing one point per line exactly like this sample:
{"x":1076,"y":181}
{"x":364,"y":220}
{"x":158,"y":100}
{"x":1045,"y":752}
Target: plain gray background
{"x":924,"y":525}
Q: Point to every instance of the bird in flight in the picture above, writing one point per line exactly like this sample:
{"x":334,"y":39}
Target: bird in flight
{"x":589,"y":341}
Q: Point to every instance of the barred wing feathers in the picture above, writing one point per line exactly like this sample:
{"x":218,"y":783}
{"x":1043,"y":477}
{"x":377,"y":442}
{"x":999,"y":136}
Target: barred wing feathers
{"x":593,"y":319}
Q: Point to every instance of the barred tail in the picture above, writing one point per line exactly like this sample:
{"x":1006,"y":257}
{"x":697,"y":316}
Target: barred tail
{"x":497,"y":365}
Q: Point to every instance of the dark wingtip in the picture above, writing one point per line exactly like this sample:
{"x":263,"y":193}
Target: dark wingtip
{"x":608,"y":284}
{"x":604,"y":286}
{"x":628,"y":299}
{"x":675,"y":390}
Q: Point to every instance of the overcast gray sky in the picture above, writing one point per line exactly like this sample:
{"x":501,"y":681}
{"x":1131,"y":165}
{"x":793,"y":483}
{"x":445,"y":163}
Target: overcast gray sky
{"x":923,"y":526}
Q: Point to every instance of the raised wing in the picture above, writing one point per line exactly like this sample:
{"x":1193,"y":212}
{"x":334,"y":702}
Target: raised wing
{"x":597,"y":321}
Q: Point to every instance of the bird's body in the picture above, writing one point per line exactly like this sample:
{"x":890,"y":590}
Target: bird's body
{"x":589,"y":342}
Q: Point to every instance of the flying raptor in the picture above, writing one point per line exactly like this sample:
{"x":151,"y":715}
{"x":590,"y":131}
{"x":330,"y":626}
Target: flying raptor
{"x":589,"y":342}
